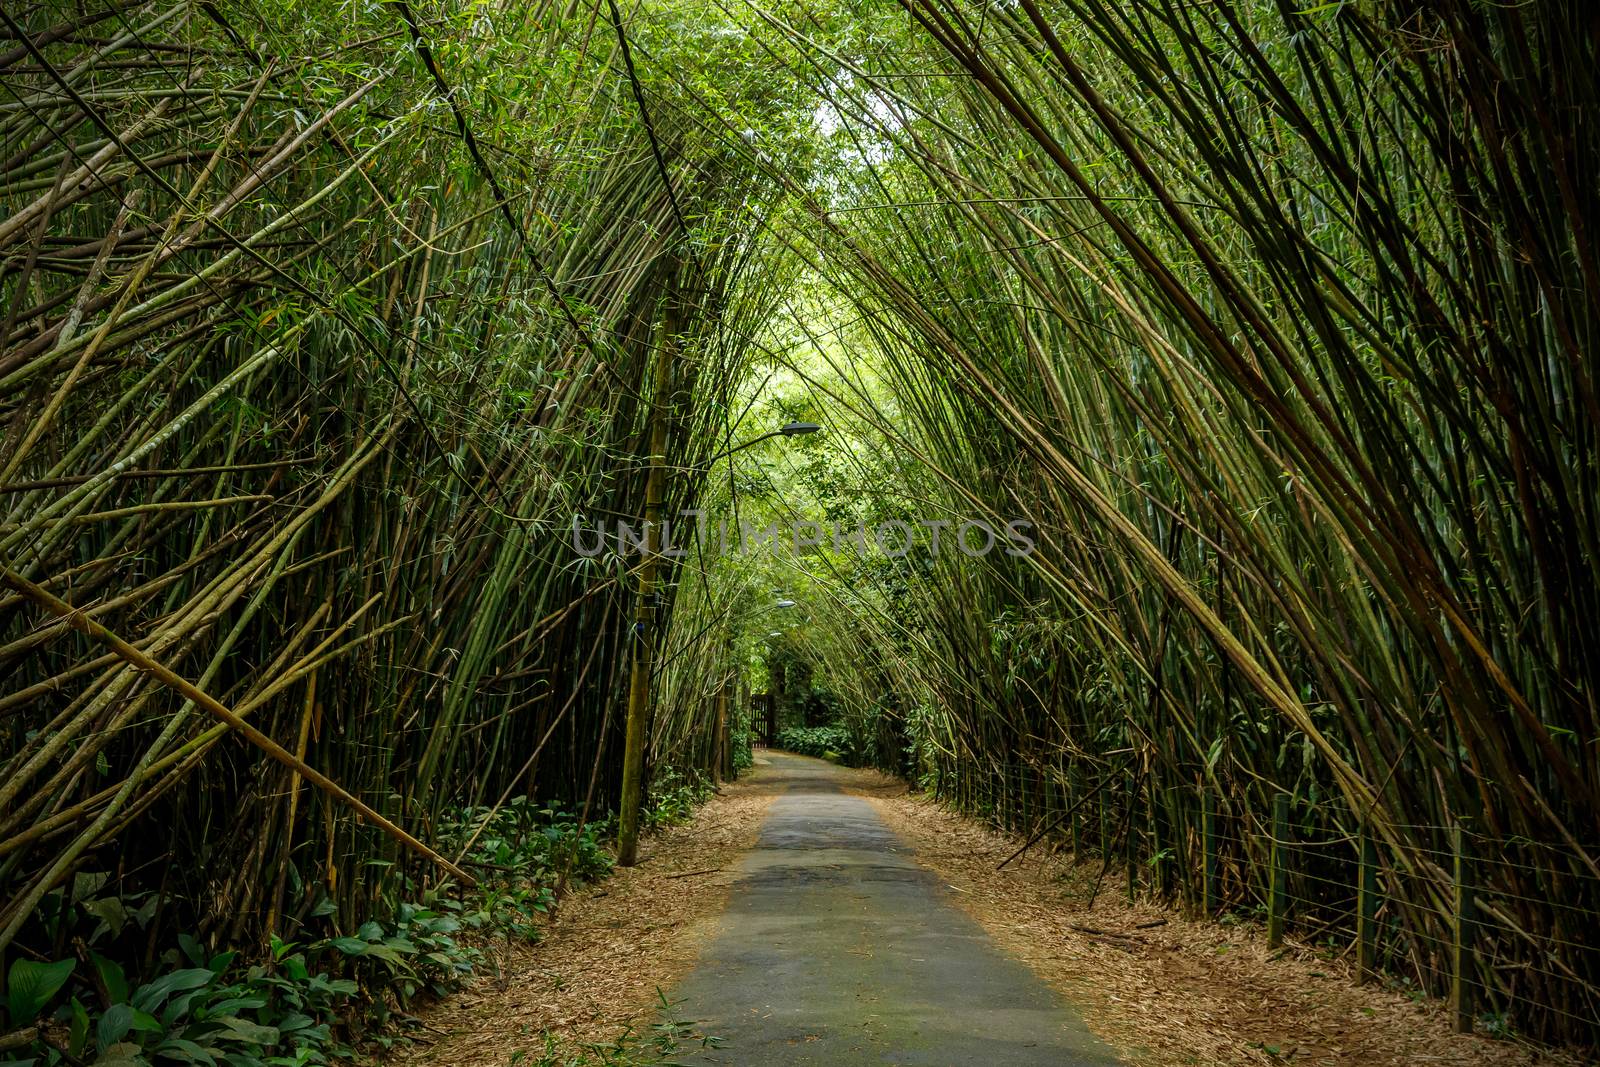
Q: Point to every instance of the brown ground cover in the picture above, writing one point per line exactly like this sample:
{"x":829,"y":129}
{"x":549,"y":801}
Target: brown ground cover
{"x":1161,"y":988}
{"x":1181,"y":992}
{"x":596,"y":970}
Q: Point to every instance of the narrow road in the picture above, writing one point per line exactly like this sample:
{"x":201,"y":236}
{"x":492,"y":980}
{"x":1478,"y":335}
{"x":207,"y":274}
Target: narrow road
{"x":838,"y":948}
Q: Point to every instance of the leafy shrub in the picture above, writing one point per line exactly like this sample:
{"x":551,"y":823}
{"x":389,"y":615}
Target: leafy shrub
{"x":208,"y":1013}
{"x":281,"y":1013}
{"x":285,"y":1011}
{"x":417,"y":952}
{"x":824,"y":742}
{"x":743,"y":749}
{"x":538,"y":841}
{"x":673,"y":797}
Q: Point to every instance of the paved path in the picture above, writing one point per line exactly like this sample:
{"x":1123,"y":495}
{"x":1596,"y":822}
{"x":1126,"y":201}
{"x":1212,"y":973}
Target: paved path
{"x":839,"y":949}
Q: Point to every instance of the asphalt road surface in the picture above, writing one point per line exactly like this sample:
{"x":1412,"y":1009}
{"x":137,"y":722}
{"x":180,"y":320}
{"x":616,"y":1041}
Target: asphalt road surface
{"x":838,"y":948}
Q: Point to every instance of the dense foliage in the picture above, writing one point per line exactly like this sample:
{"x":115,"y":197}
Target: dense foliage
{"x":824,"y":742}
{"x":309,"y":359}
{"x":1278,"y":325}
{"x":320,"y":326}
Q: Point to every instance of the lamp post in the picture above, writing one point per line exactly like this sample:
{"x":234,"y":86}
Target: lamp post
{"x":639,"y":682}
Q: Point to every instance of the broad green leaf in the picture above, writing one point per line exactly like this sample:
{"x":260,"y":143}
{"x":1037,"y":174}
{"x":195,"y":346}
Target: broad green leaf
{"x":113,"y":1026}
{"x":186,"y":1051}
{"x":110,"y":911}
{"x":111,"y":977}
{"x":78,"y":1034}
{"x":152,"y":996}
{"x":30,"y":986}
{"x":86,"y":884}
{"x":244,"y":1030}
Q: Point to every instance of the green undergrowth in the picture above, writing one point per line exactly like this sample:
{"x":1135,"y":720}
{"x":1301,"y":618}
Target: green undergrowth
{"x":304,"y":1003}
{"x":744,"y":756}
{"x":674,"y":796}
{"x":824,"y":742}
{"x":312,"y":999}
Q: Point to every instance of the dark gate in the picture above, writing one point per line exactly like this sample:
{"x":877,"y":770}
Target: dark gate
{"x":763,"y":727}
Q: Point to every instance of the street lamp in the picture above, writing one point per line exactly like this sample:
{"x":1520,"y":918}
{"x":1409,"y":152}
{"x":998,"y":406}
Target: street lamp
{"x":788,"y":429}
{"x":639,"y":696}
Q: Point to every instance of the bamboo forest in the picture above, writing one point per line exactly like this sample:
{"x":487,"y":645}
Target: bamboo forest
{"x":764,"y":532}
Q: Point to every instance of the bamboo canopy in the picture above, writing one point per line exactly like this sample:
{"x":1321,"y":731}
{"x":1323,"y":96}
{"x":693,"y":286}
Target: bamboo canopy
{"x":320,"y":328}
